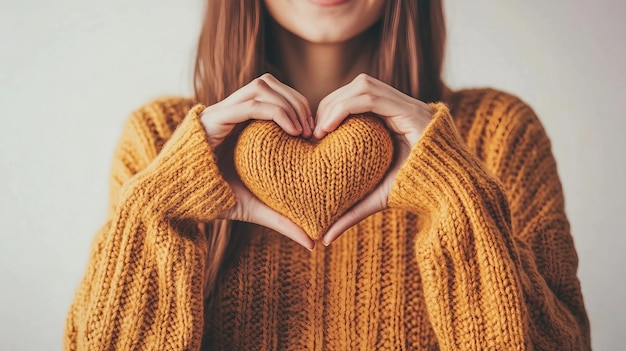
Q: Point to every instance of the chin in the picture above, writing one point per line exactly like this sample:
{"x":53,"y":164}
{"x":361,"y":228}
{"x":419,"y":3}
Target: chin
{"x":328,"y":33}
{"x":335,"y":22}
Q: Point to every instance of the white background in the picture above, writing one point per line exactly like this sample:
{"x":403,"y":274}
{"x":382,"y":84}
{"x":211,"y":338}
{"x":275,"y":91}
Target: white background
{"x":72,"y":70}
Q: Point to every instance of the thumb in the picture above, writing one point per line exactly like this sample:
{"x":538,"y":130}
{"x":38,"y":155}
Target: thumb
{"x":267,"y":217}
{"x":363,"y":209}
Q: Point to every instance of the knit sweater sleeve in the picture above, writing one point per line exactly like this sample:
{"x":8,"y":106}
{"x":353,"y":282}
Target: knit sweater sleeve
{"x":495,"y":253}
{"x":143,"y":285}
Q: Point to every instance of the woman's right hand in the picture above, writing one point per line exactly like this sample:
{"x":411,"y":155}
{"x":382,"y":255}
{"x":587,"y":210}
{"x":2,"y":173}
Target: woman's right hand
{"x":265,"y":98}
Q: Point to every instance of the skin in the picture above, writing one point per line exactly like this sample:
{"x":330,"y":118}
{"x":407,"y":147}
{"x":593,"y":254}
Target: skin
{"x":324,"y":54}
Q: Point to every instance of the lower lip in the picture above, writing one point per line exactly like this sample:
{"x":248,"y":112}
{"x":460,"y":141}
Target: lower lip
{"x":329,"y":2}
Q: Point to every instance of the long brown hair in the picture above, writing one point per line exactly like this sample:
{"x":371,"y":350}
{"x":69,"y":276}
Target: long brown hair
{"x":232,"y":51}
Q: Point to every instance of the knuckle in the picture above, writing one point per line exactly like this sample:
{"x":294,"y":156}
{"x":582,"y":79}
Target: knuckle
{"x":267,"y":76}
{"x":277,"y":111}
{"x":253,"y":104}
{"x":363,"y":81}
{"x":279,"y":115}
{"x":361,"y":76}
{"x":258,"y":83}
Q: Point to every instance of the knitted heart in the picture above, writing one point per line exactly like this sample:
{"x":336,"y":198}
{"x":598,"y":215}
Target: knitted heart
{"x":313,"y":184}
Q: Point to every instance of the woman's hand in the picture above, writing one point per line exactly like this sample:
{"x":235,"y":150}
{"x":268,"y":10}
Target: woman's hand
{"x":265,"y":98}
{"x":405,"y":116}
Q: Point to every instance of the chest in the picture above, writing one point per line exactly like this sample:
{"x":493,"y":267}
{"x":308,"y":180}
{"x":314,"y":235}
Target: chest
{"x":361,"y":292}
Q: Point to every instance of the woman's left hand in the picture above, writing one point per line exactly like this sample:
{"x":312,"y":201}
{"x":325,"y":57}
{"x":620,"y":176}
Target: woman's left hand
{"x":405,"y":116}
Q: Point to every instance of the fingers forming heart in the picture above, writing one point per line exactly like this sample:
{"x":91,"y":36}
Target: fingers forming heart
{"x":314,"y":183}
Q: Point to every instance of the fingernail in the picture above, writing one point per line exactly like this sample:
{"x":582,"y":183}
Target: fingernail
{"x":311,"y":124}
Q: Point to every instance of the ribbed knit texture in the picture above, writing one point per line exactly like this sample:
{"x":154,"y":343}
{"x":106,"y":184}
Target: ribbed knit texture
{"x":475,"y":252}
{"x":311,"y":183}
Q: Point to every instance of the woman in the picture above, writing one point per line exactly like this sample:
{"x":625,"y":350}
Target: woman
{"x":463,"y":245}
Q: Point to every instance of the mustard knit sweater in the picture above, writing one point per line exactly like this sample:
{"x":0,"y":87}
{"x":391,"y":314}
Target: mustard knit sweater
{"x":474,"y":252}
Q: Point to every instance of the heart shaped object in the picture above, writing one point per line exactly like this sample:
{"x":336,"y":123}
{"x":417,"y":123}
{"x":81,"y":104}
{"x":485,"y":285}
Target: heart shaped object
{"x":311,"y":183}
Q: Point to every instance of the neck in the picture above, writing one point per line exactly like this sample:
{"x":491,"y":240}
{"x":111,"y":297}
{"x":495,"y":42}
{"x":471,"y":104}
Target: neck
{"x":315,"y":70}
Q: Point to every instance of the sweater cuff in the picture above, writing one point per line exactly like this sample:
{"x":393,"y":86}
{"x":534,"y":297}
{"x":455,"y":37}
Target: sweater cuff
{"x":440,"y":173}
{"x":183,"y":181}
